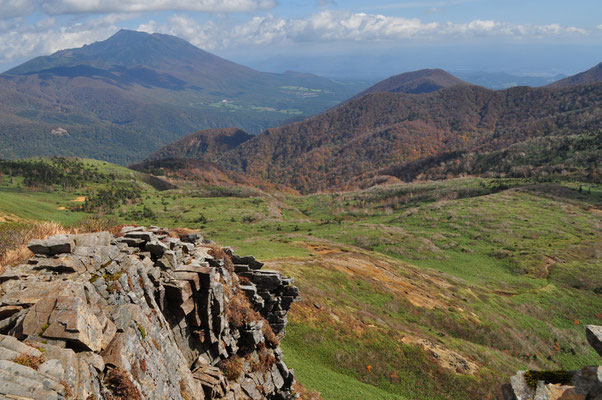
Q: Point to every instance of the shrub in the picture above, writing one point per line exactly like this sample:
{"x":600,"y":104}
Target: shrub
{"x":96,"y":223}
{"x":231,"y":367}
{"x":30,"y":361}
{"x":240,"y":312}
{"x":122,"y":387}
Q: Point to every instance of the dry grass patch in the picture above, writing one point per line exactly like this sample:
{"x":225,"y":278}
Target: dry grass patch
{"x":121,"y":385}
{"x":269,"y":334}
{"x":231,"y":367}
{"x":218,"y":253}
{"x":305,"y":394}
{"x":33,"y":362}
{"x":15,"y":237}
{"x":240,"y":312}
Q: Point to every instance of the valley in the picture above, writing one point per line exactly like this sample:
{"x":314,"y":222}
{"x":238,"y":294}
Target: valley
{"x":434,"y":290}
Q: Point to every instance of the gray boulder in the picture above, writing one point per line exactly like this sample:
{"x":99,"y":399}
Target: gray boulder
{"x":56,"y":244}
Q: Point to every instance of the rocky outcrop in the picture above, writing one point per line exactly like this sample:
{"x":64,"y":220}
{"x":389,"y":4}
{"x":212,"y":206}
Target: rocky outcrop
{"x":143,"y":315}
{"x":584,"y":384}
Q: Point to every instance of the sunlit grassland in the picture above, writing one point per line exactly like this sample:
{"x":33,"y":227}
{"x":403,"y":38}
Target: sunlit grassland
{"x":512,"y":269}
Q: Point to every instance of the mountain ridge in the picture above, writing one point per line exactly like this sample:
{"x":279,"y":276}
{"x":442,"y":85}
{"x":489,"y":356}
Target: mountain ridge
{"x":380,"y":130}
{"x":592,"y":75}
{"x":415,"y":82}
{"x":123,"y":98}
{"x":205,"y":145}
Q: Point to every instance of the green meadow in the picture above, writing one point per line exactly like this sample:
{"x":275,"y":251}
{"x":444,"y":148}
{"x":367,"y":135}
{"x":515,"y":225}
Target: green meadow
{"x":436,"y":290}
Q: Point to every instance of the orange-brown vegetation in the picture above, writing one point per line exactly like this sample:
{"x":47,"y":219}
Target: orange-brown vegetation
{"x":219,"y":254}
{"x":231,"y":367}
{"x":266,"y":359}
{"x":305,"y":394}
{"x":121,"y":385}
{"x":240,"y":312}
{"x":380,"y":130}
{"x":269,"y":334}
{"x":15,"y":237}
{"x":30,"y":361}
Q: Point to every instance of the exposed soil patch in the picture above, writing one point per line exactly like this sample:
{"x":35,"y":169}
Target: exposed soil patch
{"x":4,"y":218}
{"x":419,"y":288}
{"x":444,"y":357}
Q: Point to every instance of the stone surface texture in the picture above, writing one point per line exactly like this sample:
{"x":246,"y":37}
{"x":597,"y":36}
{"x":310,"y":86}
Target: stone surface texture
{"x":141,"y":315}
{"x":594,"y":337}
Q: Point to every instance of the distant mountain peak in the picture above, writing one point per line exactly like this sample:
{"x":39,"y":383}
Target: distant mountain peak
{"x":126,"y":48}
{"x":591,"y":76}
{"x":416,"y":82}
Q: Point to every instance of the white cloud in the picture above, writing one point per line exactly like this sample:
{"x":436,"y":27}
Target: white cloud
{"x":20,"y":8}
{"x":419,"y":4}
{"x":331,"y":25}
{"x":17,"y":8}
{"x":19,"y":39}
{"x":100,"y":6}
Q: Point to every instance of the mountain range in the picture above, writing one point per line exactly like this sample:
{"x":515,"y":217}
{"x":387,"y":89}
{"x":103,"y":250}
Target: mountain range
{"x":384,"y":130}
{"x":122,"y":98}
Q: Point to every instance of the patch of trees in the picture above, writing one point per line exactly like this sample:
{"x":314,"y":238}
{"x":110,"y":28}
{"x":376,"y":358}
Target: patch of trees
{"x":63,"y":172}
{"x":570,"y":157}
{"x":110,"y":198}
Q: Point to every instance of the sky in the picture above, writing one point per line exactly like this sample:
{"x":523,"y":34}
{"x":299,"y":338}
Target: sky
{"x":337,"y":38}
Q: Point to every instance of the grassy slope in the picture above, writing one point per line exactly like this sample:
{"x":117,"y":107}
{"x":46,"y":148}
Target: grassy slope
{"x":500,"y":276}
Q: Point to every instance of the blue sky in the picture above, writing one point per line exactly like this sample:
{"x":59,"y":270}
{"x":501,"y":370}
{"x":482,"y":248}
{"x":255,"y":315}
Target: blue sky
{"x":337,"y":38}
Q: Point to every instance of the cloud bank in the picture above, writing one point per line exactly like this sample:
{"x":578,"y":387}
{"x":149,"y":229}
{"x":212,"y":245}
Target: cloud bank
{"x":20,"y":38}
{"x":21,"y":8}
{"x":329,"y":26}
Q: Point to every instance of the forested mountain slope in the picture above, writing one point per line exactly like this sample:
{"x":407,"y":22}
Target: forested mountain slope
{"x":384,"y":129}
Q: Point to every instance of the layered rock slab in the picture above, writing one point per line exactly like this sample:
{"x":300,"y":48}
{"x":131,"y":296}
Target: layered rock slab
{"x":143,"y":315}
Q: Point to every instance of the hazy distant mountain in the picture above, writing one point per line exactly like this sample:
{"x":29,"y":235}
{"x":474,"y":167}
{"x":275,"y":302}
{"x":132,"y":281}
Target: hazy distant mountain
{"x":422,"y":81}
{"x":592,"y":75}
{"x":122,"y":98}
{"x":503,"y":80}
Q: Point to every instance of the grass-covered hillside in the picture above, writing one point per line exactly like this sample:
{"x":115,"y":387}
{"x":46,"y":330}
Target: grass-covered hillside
{"x":434,"y":290}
